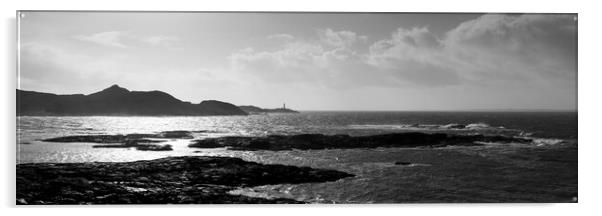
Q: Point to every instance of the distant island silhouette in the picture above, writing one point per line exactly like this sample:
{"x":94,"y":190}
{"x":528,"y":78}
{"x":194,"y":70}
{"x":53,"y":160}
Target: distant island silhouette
{"x":258,"y":110}
{"x":116,"y":100}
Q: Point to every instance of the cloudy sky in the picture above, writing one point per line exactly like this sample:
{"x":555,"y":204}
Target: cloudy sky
{"x":311,"y":61}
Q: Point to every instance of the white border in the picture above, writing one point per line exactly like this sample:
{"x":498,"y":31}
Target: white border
{"x":589,"y":105}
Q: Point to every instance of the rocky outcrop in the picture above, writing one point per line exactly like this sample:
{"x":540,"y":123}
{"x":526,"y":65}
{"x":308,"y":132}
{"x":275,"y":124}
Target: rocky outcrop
{"x":139,"y":141}
{"x":320,"y":141}
{"x":258,"y":110}
{"x":122,"y":138}
{"x":116,"y":100}
{"x":167,"y":180}
{"x":178,"y":134}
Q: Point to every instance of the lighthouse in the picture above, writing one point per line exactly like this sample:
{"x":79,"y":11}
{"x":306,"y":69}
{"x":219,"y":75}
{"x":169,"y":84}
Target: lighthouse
{"x":283,"y":105}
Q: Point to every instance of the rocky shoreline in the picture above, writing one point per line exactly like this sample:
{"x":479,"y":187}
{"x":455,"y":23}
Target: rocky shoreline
{"x":149,"y":142}
{"x":320,"y":141}
{"x":171,"y":180}
{"x":142,"y":142}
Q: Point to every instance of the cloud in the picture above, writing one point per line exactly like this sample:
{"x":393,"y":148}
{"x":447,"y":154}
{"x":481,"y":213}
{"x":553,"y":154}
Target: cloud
{"x":492,"y":48}
{"x":159,"y":40}
{"x":319,"y":61}
{"x":281,"y":37}
{"x":47,"y":66}
{"x":526,"y":46}
{"x":119,"y":39}
{"x":534,"y":49}
{"x":338,"y":38}
{"x":111,"y":38}
{"x":413,"y":56}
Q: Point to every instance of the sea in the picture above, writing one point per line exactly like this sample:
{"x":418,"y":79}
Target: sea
{"x":542,"y":171}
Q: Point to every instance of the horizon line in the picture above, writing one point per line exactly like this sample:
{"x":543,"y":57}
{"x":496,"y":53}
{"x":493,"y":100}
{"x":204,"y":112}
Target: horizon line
{"x":360,"y":110}
{"x":447,"y":110}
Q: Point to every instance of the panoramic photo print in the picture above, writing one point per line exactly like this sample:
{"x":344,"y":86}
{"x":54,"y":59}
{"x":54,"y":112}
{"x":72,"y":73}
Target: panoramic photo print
{"x":295,"y":108}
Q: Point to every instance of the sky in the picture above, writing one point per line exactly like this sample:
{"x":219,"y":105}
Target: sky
{"x":310,"y":61}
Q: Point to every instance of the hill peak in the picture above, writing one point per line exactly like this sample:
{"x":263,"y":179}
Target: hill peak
{"x":116,"y":87}
{"x":113,"y":90}
{"x":116,"y":100}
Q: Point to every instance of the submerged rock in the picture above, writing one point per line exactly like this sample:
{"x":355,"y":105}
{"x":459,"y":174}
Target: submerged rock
{"x":320,"y":141}
{"x":403,"y":163}
{"x":161,"y":181}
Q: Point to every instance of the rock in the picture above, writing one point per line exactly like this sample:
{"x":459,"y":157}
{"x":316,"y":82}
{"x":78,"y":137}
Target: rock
{"x":154,"y":147}
{"x":141,"y":142}
{"x":176,"y":134}
{"x":209,"y":143}
{"x":320,"y":141}
{"x":161,"y":181}
{"x":90,"y":138}
{"x":257,"y":110}
{"x":402,"y":163}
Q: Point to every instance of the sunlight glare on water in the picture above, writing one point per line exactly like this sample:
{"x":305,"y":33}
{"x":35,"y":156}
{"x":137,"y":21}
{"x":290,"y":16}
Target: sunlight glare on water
{"x":543,"y":171}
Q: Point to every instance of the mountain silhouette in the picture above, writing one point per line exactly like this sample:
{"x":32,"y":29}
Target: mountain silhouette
{"x":116,"y":100}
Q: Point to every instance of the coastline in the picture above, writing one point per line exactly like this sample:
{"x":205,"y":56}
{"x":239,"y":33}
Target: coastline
{"x":171,"y":180}
{"x":457,"y":164}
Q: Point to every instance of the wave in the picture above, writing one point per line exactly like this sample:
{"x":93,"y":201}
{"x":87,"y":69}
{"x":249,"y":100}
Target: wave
{"x":452,"y":126}
{"x":472,"y":128}
{"x":546,"y":141}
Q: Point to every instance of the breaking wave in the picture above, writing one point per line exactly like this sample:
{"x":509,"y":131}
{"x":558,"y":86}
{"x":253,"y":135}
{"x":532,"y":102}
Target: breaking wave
{"x":472,"y":128}
{"x":443,"y":127}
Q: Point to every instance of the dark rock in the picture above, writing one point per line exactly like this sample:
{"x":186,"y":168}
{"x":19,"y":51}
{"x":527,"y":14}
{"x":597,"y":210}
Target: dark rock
{"x":138,"y":141}
{"x":118,"y":141}
{"x":129,"y":138}
{"x":141,"y":147}
{"x":117,"y":101}
{"x":176,"y":134}
{"x":154,"y":147}
{"x":402,"y":163}
{"x":208,"y":143}
{"x":320,"y":141}
{"x":161,"y":181}
{"x":90,"y":139}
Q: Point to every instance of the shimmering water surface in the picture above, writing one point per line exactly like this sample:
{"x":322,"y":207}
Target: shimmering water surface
{"x":543,"y":171}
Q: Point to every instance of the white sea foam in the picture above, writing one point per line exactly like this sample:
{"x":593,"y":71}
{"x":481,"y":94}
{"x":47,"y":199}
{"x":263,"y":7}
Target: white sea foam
{"x":432,"y":127}
{"x":546,"y":141}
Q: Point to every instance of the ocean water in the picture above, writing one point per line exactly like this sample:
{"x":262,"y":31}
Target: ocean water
{"x":542,"y":171}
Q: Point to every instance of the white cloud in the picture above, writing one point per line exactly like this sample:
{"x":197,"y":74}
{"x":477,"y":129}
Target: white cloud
{"x":492,"y":48}
{"x":110,"y":38}
{"x":281,"y":37}
{"x":526,"y":46}
{"x":123,"y":39}
{"x":329,"y":60}
{"x":338,"y":38}
{"x":159,"y":40}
